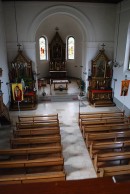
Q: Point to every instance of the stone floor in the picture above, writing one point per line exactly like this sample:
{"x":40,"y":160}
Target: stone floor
{"x":77,"y":162}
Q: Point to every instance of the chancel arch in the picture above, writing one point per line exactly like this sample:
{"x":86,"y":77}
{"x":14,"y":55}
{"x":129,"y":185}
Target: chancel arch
{"x":84,"y":22}
{"x":70,"y":22}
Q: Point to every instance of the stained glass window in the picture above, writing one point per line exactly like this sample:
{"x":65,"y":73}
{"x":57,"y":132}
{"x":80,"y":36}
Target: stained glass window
{"x":43,"y":48}
{"x":71,"y":48}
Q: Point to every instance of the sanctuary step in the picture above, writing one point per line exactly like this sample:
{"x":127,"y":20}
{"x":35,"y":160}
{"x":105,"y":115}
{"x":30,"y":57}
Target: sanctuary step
{"x":104,"y":103}
{"x":59,"y":98}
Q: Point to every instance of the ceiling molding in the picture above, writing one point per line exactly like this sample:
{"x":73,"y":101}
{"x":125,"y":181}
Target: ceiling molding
{"x":85,"y":1}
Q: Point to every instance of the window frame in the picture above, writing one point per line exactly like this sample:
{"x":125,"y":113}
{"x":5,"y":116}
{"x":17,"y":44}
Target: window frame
{"x":68,"y":48}
{"x":45,"y":48}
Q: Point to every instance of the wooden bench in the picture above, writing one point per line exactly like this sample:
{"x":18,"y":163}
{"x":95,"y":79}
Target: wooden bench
{"x":114,"y":170}
{"x":33,"y":178}
{"x":30,"y":153}
{"x":104,"y":121}
{"x":100,"y":115}
{"x":35,"y":141}
{"x":32,"y":166}
{"x":38,"y":118}
{"x":25,"y":125}
{"x":103,"y":147}
{"x":111,"y":159}
{"x":106,"y":128}
{"x":105,"y":137}
{"x":36,"y":132}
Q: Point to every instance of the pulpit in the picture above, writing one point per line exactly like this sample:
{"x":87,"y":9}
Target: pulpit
{"x":99,"y":91}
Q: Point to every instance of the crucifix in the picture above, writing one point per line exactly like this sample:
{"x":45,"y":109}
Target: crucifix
{"x":57,"y":29}
{"x":19,"y":45}
{"x":103,"y":45}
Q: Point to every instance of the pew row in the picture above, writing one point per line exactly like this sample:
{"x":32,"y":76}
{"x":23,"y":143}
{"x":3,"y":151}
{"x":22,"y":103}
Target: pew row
{"x":32,"y":166}
{"x":106,"y":128}
{"x":36,"y":132}
{"x":33,"y":178}
{"x":110,"y":159}
{"x":105,"y":137}
{"x":100,"y":115}
{"x":115,"y":170}
{"x":32,"y":125}
{"x":38,"y":118}
{"x":103,"y":147}
{"x":104,"y":121}
{"x":30,"y":153}
{"x":35,"y":141}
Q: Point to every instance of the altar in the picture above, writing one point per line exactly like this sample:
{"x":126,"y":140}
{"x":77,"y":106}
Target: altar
{"x":100,"y":92}
{"x":60,"y":84}
{"x":57,"y":64}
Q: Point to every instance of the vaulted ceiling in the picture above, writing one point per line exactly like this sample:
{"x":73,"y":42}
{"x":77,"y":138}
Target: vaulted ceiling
{"x":85,"y":1}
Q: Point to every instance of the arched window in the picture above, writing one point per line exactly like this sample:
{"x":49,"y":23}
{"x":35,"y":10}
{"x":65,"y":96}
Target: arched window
{"x":43,"y":48}
{"x":70,"y":47}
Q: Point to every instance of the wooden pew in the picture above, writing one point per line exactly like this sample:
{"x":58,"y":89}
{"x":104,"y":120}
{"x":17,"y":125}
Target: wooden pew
{"x":30,"y":153}
{"x":105,"y":137}
{"x":106,"y":128}
{"x":35,"y":141}
{"x":36,"y":132}
{"x":32,"y":166}
{"x":100,"y":115}
{"x":103,"y":121}
{"x":33,"y":125}
{"x":103,"y":147}
{"x":111,"y":159}
{"x":114,"y":170}
{"x":33,"y":178}
{"x":38,"y":118}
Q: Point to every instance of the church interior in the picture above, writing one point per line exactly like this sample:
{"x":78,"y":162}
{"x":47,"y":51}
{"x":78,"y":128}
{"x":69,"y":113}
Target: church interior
{"x":64,"y":96}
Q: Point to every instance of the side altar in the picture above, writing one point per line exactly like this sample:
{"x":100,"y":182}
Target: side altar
{"x":23,"y":95}
{"x":100,"y":92}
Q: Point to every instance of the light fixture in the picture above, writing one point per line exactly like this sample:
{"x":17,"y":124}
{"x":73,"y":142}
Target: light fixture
{"x":114,"y":63}
{"x":16,"y":26}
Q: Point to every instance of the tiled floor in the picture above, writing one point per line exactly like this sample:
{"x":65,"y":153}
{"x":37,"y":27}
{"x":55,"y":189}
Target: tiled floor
{"x":77,"y":161}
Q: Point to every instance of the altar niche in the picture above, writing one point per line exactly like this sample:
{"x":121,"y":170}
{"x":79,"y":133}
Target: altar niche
{"x":99,"y":91}
{"x":21,"y":76}
{"x":57,"y":65}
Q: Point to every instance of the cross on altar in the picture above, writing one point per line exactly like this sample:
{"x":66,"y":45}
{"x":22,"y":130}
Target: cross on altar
{"x":57,"y":29}
{"x":103,"y":45}
{"x":19,"y":45}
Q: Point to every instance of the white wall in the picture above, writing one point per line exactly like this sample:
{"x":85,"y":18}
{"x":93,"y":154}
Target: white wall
{"x":92,"y":25}
{"x":89,"y":23}
{"x":3,"y":59}
{"x":119,"y":73}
